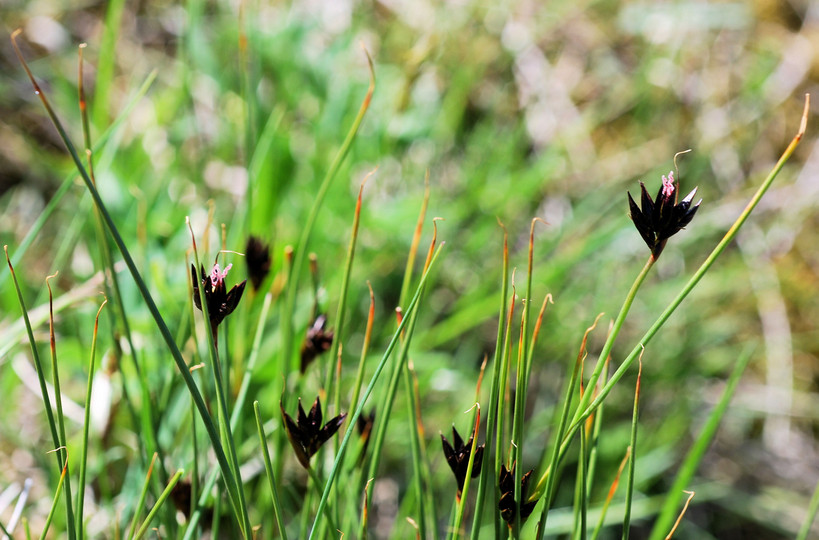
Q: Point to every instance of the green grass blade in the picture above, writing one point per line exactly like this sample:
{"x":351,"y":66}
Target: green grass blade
{"x":694,"y":457}
{"x":813,"y":508}
{"x":61,"y":455}
{"x":547,"y":483}
{"x":484,"y":481}
{"x":390,"y":347}
{"x":58,"y":400}
{"x":307,"y":228}
{"x":268,"y":467}
{"x":612,"y":490}
{"x":141,"y":502}
{"x":145,"y":524}
{"x":223,"y":418}
{"x":213,"y":434}
{"x":632,"y":456}
{"x":86,"y":425}
{"x":459,"y":514}
{"x":53,"y":509}
{"x":342,"y":297}
{"x":584,"y":410}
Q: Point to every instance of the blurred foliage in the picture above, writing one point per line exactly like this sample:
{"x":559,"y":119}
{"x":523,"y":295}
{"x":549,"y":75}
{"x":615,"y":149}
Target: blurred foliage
{"x":518,"y":110}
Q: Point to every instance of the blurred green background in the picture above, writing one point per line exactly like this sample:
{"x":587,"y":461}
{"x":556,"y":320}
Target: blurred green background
{"x":518,"y":109}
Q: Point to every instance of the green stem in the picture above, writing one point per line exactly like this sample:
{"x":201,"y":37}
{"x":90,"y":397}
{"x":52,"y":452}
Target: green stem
{"x":484,"y":480}
{"x":632,"y":458}
{"x":307,"y":229}
{"x":165,"y":494}
{"x":615,"y":331}
{"x":268,"y":467}
{"x":86,"y":425}
{"x":213,"y":434}
{"x":688,"y":468}
{"x":343,"y":448}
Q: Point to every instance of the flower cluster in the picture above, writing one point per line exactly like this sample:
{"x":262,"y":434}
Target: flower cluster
{"x":317,"y":341}
{"x":661,"y":218}
{"x":220,"y":301}
{"x":457,"y":456}
{"x":507,"y":504}
{"x":307,"y":435}
{"x":257,"y":257}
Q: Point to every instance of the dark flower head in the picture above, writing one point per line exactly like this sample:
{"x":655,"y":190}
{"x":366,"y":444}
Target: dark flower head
{"x":316,"y":342}
{"x":663,"y":217}
{"x":221,"y":302}
{"x":182,"y":497}
{"x":257,"y":257}
{"x":365,"y":425}
{"x":307,"y":435}
{"x":506,"y":504}
{"x":457,"y":456}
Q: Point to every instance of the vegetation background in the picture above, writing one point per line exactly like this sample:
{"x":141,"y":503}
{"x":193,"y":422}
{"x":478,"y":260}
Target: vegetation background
{"x":517,"y":109}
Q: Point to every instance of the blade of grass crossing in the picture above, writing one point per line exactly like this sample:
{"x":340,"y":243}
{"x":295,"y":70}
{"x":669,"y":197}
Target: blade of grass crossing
{"x":694,"y":456}
{"x":596,"y":428}
{"x":53,"y":509}
{"x":58,"y":400}
{"x":379,"y":368}
{"x":223,"y":418}
{"x":43,"y":389}
{"x":456,"y":529}
{"x":632,"y":458}
{"x":584,"y":410}
{"x":86,"y":425}
{"x":159,"y":502}
{"x":213,"y":434}
{"x":307,"y":229}
{"x":398,"y":367}
{"x":547,"y":484}
{"x":142,"y":496}
{"x":484,"y":481}
{"x":112,"y":290}
{"x":610,"y":496}
{"x":268,"y":467}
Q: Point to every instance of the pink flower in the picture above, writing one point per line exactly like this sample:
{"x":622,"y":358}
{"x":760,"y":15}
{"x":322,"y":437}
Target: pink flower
{"x":217,"y":277}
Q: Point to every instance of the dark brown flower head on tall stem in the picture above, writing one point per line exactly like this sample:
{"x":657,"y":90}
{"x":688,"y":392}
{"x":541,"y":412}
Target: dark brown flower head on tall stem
{"x":663,"y":217}
{"x":221,"y":302}
{"x":307,"y":435}
{"x":257,"y":257}
{"x":507,"y":504}
{"x":457,"y":456}
{"x":317,"y":341}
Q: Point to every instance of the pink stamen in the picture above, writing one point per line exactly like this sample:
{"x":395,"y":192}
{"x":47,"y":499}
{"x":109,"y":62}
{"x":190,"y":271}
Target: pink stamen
{"x":217,"y":277}
{"x":668,"y":186}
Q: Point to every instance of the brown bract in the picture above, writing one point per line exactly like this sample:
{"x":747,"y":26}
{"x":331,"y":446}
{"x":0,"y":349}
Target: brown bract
{"x":457,"y":456}
{"x":307,"y":435}
{"x":317,"y":341}
{"x":257,"y":258}
{"x":220,"y":301}
{"x":507,"y":504}
{"x":661,"y":218}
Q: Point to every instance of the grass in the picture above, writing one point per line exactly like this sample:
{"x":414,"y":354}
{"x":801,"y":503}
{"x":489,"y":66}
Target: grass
{"x":207,"y":124}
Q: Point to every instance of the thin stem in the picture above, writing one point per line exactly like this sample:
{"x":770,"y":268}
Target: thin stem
{"x":354,"y":418}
